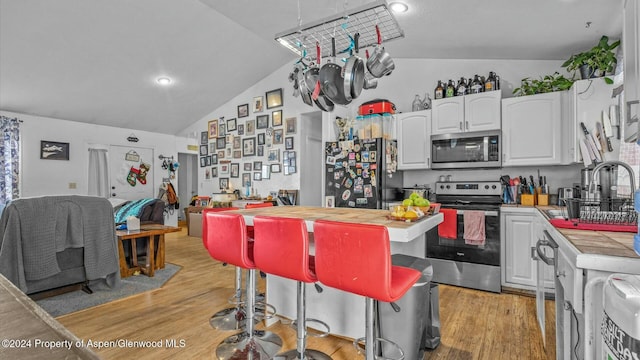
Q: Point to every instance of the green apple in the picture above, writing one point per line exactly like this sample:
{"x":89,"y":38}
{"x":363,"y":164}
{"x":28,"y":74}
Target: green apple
{"x":407,"y":202}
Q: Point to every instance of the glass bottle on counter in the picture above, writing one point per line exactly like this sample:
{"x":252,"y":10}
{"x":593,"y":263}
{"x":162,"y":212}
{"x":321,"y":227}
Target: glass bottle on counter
{"x":476,"y":85}
{"x":451,"y":89}
{"x":490,"y":83}
{"x":417,"y":104}
{"x":439,"y":92}
{"x":462,"y":88}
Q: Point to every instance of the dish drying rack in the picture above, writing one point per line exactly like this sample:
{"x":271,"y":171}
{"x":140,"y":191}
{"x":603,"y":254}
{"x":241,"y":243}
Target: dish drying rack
{"x":302,"y":39}
{"x":617,"y":211}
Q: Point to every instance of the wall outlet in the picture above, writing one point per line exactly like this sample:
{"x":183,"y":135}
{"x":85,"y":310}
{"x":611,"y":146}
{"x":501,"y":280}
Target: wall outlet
{"x":72,"y":185}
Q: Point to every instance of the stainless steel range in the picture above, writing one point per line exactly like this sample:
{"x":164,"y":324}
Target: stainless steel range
{"x":460,"y":262}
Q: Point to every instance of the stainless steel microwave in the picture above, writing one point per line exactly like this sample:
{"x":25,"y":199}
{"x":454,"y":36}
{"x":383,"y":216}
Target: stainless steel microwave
{"x":482,"y":149}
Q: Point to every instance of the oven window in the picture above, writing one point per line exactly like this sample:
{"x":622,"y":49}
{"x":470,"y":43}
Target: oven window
{"x":458,"y":250}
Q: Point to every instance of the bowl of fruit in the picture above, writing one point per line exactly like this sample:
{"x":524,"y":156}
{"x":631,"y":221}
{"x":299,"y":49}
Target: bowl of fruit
{"x":416,"y":200}
{"x":412,"y":209}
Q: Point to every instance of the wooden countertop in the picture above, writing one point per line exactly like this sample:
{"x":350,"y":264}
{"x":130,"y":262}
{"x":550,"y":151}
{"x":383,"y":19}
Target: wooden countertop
{"x":398,"y":230}
{"x":610,"y":243}
{"x":28,"y":332}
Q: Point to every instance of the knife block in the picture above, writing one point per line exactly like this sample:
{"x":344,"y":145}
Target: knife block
{"x":542,"y":199}
{"x":528,"y":199}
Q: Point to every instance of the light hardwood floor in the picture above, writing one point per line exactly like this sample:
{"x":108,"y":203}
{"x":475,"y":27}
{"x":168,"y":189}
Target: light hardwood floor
{"x":474,"y":324}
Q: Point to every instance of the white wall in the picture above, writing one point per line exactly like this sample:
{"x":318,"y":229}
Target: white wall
{"x":410,"y":77}
{"x":41,"y":177}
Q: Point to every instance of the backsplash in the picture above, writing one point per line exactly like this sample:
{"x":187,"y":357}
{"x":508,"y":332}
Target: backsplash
{"x":557,"y":176}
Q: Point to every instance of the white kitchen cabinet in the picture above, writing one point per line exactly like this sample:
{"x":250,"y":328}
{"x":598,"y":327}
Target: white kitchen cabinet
{"x":588,"y":99}
{"x":521,"y":229}
{"x":475,"y":112}
{"x":414,"y":143}
{"x":532,"y":129}
{"x":631,"y":63}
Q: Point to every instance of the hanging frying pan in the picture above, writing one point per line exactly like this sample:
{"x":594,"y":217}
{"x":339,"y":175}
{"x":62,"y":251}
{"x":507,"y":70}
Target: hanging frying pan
{"x":380,"y":63}
{"x":353,"y":73}
{"x":311,"y":78}
{"x":305,"y":94}
{"x":331,"y":81}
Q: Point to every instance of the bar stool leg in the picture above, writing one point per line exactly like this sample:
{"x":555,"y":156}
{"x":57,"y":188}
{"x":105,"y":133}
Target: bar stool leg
{"x":250,"y":344}
{"x":301,"y":352}
{"x":231,"y":318}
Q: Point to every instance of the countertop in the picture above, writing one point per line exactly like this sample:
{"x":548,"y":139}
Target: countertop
{"x":28,"y":332}
{"x":399,"y":231}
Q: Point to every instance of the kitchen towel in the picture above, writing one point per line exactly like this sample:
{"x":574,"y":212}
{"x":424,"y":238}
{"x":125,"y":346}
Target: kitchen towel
{"x":474,"y":230}
{"x":448,"y":228}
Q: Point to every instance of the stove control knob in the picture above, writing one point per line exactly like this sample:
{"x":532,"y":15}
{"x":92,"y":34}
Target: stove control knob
{"x":486,"y":187}
{"x":493,"y":187}
{"x":441,"y":186}
{"x":448,"y":186}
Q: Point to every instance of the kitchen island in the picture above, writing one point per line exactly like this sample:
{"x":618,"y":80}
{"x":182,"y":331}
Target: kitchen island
{"x":343,"y":312}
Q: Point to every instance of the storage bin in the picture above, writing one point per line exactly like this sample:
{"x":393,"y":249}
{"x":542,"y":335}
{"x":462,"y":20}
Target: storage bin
{"x":388,"y":126}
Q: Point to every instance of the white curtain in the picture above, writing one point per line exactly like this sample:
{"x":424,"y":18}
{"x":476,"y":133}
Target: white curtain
{"x":98,"y":173}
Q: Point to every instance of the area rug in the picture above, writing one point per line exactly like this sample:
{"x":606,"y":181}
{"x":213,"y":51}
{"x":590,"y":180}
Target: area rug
{"x":80,"y":300}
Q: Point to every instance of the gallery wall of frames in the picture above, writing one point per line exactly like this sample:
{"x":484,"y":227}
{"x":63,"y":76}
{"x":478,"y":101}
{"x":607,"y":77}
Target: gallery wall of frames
{"x":250,"y":145}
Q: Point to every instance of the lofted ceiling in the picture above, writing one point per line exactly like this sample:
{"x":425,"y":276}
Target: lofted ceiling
{"x":97,"y":61}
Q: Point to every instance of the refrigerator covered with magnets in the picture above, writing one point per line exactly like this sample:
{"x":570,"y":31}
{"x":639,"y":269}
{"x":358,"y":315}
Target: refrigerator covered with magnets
{"x":362,"y":173}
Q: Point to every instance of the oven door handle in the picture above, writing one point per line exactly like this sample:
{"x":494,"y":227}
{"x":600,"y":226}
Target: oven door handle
{"x":486,"y":213}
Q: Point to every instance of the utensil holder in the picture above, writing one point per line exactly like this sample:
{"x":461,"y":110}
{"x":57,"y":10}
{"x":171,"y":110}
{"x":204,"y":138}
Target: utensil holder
{"x":543,"y":199}
{"x":528,"y":199}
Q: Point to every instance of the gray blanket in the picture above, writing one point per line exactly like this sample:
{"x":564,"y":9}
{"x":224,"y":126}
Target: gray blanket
{"x":33,"y":230}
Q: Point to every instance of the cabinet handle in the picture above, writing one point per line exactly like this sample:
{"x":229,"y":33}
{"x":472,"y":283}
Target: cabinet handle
{"x":466,"y":124}
{"x":534,"y":254}
{"x":561,"y":274}
{"x":460,"y":125}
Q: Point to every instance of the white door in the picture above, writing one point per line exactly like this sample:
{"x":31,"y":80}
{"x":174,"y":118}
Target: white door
{"x":127,"y":180}
{"x":311,"y":164}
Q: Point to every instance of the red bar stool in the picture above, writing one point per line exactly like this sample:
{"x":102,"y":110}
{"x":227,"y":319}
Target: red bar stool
{"x":229,"y":243}
{"x":230,"y":318}
{"x":282,"y":248}
{"x":356,"y":258}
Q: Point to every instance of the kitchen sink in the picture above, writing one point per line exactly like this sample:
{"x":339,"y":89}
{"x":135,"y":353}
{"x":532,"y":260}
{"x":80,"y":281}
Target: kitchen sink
{"x":556,"y":213}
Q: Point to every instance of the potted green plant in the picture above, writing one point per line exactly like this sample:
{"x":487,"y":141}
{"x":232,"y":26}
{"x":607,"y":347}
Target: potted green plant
{"x":548,"y":83}
{"x":598,"y":61}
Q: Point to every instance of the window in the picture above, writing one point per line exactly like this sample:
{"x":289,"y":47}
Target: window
{"x":9,"y":159}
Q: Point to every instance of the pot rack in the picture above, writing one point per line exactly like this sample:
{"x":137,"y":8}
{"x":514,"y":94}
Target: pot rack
{"x":361,"y":20}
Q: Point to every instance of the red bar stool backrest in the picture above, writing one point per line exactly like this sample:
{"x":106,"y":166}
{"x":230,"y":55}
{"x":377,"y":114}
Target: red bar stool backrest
{"x":227,"y":239}
{"x":356,"y":258}
{"x":282,"y":248}
{"x":253,"y":206}
{"x":204,"y":228}
{"x":258,"y":205}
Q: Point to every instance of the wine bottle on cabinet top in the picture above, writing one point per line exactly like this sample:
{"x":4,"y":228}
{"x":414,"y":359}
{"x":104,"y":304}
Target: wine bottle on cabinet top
{"x":451,"y":89}
{"x":476,"y":85}
{"x":439,"y":92}
{"x":462,"y":88}
{"x":490,"y":83}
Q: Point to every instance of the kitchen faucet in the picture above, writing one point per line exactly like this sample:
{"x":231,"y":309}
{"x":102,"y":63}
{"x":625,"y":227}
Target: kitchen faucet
{"x":612,"y":163}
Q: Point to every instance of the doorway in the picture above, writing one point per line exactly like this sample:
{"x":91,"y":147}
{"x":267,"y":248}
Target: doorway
{"x":311,"y":162}
{"x":187,"y":180}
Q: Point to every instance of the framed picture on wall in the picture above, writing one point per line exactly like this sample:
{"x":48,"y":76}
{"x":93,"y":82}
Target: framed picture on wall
{"x":243,"y":110}
{"x":288,"y":143}
{"x":235,"y":170}
{"x":249,"y":146}
{"x":291,"y":125}
{"x":224,"y":183}
{"x":260,"y":150}
{"x":214,"y":159}
{"x":213,"y":129}
{"x":52,"y":150}
{"x":204,"y":137}
{"x":247,"y":166}
{"x":250,"y":127}
{"x":257,"y":104}
{"x":262,"y":122}
{"x":221,"y":143}
{"x":240,"y":129}
{"x":261,"y":139}
{"x":274,"y":98}
{"x":204,"y":150}
{"x":231,"y":124}
{"x":276,"y":118}
{"x":214,"y":171}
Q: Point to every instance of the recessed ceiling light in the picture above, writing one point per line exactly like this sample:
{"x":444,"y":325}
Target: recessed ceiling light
{"x":398,"y":7}
{"x":163,"y":80}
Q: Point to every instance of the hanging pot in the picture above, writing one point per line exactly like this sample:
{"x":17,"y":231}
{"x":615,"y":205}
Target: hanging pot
{"x":380,"y":63}
{"x":305,"y":94}
{"x":370,"y":81}
{"x":354,"y":73}
{"x":331,"y":80}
